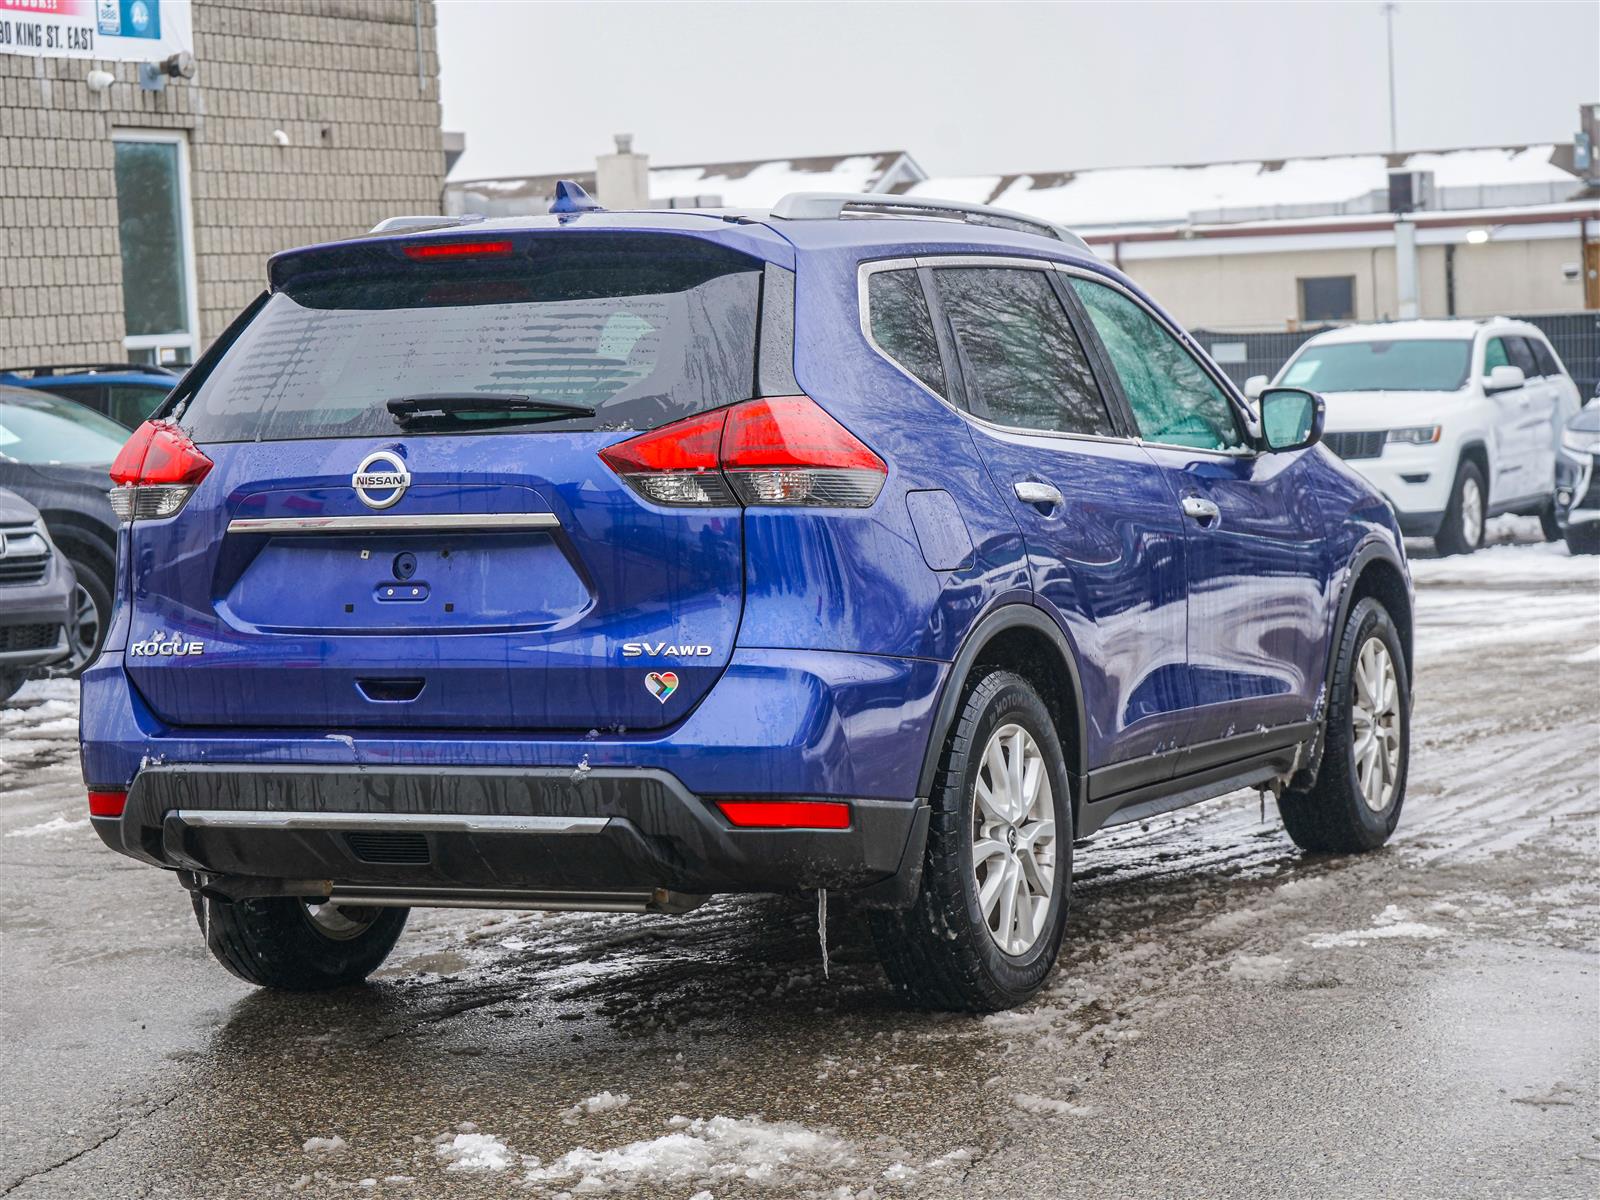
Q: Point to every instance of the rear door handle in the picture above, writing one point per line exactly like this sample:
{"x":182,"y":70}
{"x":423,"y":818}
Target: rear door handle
{"x":1200,"y":510}
{"x":1031,"y":491}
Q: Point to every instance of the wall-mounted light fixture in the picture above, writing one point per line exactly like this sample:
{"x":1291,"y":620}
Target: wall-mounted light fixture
{"x":99,"y":81}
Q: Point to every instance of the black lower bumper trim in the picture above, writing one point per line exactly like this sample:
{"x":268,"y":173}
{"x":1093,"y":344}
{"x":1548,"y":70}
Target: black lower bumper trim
{"x":501,"y":830}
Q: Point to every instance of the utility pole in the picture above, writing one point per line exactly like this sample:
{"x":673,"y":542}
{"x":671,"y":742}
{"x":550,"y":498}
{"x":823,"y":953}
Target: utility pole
{"x":1388,"y":17}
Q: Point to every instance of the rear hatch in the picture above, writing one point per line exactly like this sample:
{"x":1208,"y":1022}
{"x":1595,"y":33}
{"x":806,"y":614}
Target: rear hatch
{"x":407,"y":521}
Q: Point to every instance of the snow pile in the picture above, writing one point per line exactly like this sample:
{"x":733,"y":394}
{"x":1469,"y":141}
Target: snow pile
{"x":1046,"y":1106}
{"x":1508,"y":566}
{"x":701,"y":1152}
{"x":1258,"y":968}
{"x":604,"y":1102}
{"x":325,"y":1145}
{"x":474,"y":1152}
{"x":54,"y":825}
{"x":1392,"y":922}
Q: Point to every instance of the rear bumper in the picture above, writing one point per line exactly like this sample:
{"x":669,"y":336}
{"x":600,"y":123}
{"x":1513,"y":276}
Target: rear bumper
{"x":316,"y":831}
{"x":779,"y":724}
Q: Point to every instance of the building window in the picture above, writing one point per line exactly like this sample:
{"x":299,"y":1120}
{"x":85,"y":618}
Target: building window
{"x":159,"y":308}
{"x":1331,"y":298}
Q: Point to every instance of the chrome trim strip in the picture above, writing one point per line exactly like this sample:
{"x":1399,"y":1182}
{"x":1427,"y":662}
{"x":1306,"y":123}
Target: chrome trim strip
{"x":400,"y":524}
{"x":210,"y":818}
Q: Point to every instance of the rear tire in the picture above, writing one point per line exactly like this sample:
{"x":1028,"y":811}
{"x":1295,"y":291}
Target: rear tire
{"x":281,"y":942}
{"x":1550,"y":522}
{"x":1368,"y":730}
{"x":1462,"y":530}
{"x":986,"y":927}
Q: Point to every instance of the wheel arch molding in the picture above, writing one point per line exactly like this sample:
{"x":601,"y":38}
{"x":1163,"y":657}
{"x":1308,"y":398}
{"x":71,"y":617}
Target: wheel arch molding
{"x":1376,"y":570}
{"x":1001,"y":638}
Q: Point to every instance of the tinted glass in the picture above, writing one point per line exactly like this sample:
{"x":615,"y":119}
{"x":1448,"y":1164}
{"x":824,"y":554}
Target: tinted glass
{"x":898,"y":312}
{"x":1495,"y":355}
{"x":1026,"y":366}
{"x":91,"y":395}
{"x":1546,"y":358}
{"x":1174,"y":401}
{"x":1400,"y":365}
{"x":150,"y":229}
{"x":643,"y":329}
{"x":132,"y":404}
{"x":1522,"y":357}
{"x":45,"y":429}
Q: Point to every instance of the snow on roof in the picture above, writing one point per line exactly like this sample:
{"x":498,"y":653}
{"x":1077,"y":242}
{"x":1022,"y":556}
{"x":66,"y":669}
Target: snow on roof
{"x":1255,"y":190}
{"x":756,"y":184}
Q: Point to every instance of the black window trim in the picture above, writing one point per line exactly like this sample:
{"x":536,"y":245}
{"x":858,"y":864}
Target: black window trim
{"x":925,"y":265}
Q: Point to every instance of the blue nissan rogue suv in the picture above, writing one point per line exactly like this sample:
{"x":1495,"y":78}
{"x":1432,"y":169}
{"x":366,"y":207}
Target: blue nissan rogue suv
{"x":611,"y":560}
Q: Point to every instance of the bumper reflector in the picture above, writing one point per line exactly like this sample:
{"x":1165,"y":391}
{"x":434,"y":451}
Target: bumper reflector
{"x":107,"y":804}
{"x":786,"y":814}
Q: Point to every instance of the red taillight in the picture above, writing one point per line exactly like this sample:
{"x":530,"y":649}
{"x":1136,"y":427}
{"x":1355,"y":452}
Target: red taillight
{"x":786,"y":814}
{"x":437,"y":250}
{"x":775,"y":451}
{"x":107,"y":804}
{"x":156,"y":471}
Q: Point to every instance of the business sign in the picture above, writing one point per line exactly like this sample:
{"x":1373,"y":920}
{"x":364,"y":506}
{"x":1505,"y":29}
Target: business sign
{"x":126,"y":30}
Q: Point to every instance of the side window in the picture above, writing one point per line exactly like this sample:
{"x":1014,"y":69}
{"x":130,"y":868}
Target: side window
{"x":1026,"y":367}
{"x":1174,"y":401}
{"x":1494,"y":355}
{"x":898,"y":313}
{"x":132,"y":405}
{"x":1522,"y":357}
{"x":1549,"y":365}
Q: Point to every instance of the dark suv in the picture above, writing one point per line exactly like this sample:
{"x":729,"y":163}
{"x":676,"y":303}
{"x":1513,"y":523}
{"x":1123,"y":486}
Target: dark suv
{"x":612,"y":560}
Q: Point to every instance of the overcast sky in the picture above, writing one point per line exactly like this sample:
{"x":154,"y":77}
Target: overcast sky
{"x":989,"y":86}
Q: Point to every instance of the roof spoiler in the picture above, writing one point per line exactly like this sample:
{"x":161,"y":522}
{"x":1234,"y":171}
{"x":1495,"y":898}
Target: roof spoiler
{"x":416,"y":224}
{"x":827,"y":206}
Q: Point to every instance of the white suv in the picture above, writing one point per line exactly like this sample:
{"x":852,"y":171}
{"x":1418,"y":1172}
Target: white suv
{"x":1454,"y":421}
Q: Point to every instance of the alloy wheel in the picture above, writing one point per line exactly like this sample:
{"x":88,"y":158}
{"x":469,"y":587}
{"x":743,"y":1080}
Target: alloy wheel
{"x":1375,"y":724}
{"x":338,"y":921}
{"x":87,"y":637}
{"x":1014,"y":839}
{"x":1471,"y":513}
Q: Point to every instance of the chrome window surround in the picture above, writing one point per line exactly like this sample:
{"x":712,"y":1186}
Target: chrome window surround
{"x":865,"y":270}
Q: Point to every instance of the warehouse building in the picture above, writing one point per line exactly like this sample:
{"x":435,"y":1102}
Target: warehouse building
{"x":154,"y":153}
{"x":1260,"y":245}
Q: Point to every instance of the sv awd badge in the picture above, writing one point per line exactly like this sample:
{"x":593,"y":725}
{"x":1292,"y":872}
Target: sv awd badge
{"x":159,"y":645}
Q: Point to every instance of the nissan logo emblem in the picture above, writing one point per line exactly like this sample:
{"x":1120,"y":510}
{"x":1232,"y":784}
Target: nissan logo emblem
{"x":381,"y":479}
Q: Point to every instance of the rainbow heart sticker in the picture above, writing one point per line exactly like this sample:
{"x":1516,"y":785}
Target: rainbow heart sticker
{"x":661,"y":684}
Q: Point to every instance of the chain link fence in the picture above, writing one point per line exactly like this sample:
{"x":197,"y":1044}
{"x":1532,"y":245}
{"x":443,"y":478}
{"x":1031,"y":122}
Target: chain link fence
{"x":1241,"y":353}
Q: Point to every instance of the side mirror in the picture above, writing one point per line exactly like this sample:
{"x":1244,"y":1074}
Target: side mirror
{"x":1503,"y":379}
{"x":1254,"y":386}
{"x":1291,"y":418}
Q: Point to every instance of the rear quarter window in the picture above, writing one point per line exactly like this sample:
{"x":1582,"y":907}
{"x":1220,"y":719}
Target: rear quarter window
{"x":643,"y":329}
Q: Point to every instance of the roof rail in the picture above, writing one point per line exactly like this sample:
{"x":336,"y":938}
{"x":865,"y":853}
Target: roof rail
{"x":417,"y":223}
{"x":827,"y":206}
{"x":48,"y":370}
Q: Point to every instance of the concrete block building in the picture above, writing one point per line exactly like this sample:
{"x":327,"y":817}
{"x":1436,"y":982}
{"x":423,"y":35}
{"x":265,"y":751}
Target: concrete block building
{"x":142,"y":192}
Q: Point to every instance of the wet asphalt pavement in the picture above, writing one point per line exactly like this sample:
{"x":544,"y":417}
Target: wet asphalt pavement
{"x":1230,"y":1017}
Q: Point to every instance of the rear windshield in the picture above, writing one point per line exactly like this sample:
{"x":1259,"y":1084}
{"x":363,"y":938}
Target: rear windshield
{"x":642,"y":329}
{"x":1395,"y":365}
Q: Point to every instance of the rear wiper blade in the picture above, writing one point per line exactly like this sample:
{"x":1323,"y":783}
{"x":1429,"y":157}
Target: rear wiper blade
{"x":448,"y":404}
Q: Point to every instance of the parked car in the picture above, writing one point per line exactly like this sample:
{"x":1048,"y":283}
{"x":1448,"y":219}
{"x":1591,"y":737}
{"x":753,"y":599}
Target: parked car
{"x":126,"y":392}
{"x":1453,"y":421}
{"x":613,"y":560}
{"x":1580,"y":452}
{"x":36,"y":595}
{"x":56,"y":453}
